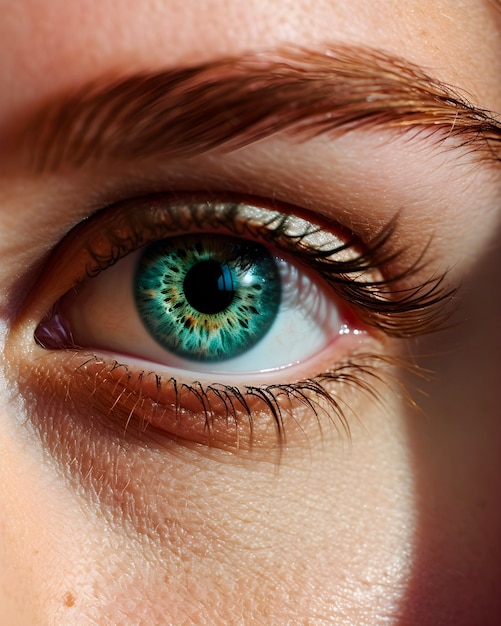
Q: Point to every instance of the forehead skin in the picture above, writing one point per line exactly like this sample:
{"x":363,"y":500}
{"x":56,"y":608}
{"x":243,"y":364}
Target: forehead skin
{"x":55,"y":45}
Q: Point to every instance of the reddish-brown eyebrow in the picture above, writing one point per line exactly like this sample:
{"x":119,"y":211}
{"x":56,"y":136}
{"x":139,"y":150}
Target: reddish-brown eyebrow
{"x":233,"y":102}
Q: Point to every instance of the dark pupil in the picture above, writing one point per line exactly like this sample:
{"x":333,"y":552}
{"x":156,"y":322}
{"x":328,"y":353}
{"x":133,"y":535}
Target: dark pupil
{"x":208,"y":287}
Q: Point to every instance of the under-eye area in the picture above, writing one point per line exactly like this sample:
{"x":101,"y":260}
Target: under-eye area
{"x":218,"y":321}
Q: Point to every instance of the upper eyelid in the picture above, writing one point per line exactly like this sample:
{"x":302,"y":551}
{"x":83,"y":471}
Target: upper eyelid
{"x":115,"y":230}
{"x":243,"y":217}
{"x":66,"y":243}
{"x":370,"y":280}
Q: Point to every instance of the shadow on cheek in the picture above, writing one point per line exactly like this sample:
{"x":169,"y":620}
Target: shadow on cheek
{"x":456,"y":451}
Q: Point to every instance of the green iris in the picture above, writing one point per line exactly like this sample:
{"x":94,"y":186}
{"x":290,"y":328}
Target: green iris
{"x":207,"y":297}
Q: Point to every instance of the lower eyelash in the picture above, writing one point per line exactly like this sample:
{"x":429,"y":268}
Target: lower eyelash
{"x":142,"y":404}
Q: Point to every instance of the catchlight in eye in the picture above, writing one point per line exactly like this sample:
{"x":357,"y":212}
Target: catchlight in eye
{"x":207,"y":298}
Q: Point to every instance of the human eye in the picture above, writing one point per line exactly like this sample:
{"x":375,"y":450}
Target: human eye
{"x":206,"y":319}
{"x":219,"y":292}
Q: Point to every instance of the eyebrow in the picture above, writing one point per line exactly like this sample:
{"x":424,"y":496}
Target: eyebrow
{"x":233,"y":102}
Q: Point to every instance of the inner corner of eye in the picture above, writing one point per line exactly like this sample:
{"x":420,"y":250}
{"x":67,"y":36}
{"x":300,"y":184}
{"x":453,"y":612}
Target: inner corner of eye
{"x":202,"y":303}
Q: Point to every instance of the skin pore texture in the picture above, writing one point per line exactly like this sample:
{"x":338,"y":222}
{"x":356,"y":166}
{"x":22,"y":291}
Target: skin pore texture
{"x":382,"y":506}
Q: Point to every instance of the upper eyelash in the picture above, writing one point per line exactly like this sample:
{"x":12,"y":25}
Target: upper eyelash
{"x":397,"y":311}
{"x":383,"y":302}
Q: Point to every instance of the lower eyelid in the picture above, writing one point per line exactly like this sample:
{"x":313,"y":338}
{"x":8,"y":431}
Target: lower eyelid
{"x":227,"y":415}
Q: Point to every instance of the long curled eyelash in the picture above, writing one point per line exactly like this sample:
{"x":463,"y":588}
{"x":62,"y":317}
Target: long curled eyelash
{"x":398,"y":311}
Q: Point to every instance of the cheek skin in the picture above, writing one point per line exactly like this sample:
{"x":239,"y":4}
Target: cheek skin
{"x":205,"y":528}
{"x":206,"y":532}
{"x":456,"y":459}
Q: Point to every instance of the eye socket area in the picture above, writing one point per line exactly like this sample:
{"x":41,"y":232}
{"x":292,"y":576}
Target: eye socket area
{"x":136,"y":384}
{"x":338,"y":289}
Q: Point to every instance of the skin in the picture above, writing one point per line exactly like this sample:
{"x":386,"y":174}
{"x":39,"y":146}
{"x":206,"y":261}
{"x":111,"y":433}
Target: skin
{"x":398,"y":524}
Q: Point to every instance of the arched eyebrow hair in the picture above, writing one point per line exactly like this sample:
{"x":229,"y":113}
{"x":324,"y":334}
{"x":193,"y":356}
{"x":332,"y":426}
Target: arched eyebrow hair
{"x":233,"y":102}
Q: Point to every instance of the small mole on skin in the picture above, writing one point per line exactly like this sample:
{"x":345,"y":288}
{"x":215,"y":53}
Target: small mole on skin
{"x":69,"y":599}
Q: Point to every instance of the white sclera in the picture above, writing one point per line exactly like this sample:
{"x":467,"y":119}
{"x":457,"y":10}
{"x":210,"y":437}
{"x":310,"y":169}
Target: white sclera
{"x":103,"y":315}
